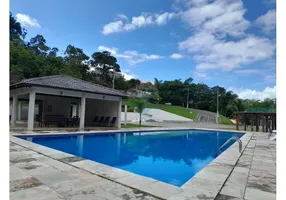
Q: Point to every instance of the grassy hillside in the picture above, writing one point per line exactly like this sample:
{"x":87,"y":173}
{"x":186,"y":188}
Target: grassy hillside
{"x":178,"y":110}
{"x":225,"y":120}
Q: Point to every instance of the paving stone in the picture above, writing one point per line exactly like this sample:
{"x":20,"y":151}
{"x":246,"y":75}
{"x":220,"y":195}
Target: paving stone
{"x":195,"y":194}
{"x":24,"y":183}
{"x":70,"y":159}
{"x":30,"y":165}
{"x":135,"y":181}
{"x":18,"y":174}
{"x":49,"y":176}
{"x":70,"y":187}
{"x":180,"y":196}
{"x":200,"y":184}
{"x":262,"y":180}
{"x":226,"y":197}
{"x":92,"y":194}
{"x":136,"y":194}
{"x":37,"y":193}
{"x":161,"y":189}
{"x":256,"y":194}
{"x":233,"y":190}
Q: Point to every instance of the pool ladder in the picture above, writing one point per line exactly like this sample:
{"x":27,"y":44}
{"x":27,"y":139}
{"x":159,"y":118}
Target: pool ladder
{"x":228,"y":141}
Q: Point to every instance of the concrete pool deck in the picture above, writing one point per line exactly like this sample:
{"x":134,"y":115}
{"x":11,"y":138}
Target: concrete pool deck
{"x":38,"y":172}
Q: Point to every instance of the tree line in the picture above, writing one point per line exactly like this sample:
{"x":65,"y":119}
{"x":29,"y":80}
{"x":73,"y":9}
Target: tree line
{"x":34,"y":58}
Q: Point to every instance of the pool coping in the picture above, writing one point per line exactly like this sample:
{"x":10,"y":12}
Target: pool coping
{"x":207,"y":182}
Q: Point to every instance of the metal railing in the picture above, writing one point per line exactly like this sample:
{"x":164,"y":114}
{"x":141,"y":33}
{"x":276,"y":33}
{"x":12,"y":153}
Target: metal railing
{"x":228,"y":141}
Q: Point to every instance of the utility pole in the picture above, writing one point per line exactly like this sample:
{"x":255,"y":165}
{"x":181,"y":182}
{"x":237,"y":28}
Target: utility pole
{"x":113,"y":79}
{"x":188,"y":97}
{"x":217,"y":107}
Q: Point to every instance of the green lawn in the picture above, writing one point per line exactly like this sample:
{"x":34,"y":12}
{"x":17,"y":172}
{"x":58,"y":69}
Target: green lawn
{"x":225,"y":120}
{"x":177,"y":110}
{"x":133,"y":126}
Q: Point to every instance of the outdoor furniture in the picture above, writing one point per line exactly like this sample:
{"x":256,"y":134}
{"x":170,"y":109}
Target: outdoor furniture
{"x":106,"y":121}
{"x":54,"y":119}
{"x":100,"y":121}
{"x":40,"y":120}
{"x":95,"y":120}
{"x":75,"y":121}
{"x":112,"y":123}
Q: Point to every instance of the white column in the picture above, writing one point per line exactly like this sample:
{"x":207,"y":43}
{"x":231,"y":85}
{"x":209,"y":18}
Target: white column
{"x":125,"y":114}
{"x":82,"y":113}
{"x":19,"y":110}
{"x":31,"y":111}
{"x":14,"y":111}
{"x":119,"y":114}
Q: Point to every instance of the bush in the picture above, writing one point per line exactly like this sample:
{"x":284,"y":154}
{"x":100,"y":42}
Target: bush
{"x":130,"y":109}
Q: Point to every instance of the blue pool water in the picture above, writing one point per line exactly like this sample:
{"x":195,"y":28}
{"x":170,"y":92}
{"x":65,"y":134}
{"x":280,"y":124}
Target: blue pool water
{"x":172,"y":157}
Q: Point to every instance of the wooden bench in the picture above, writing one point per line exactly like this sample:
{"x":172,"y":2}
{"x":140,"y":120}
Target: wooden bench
{"x":54,"y":119}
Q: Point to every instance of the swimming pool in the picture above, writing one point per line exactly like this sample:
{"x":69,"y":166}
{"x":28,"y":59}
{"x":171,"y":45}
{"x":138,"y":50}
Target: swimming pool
{"x":172,"y":157}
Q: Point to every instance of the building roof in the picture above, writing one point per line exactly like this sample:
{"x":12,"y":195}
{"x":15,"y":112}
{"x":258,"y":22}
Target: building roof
{"x":68,"y":83}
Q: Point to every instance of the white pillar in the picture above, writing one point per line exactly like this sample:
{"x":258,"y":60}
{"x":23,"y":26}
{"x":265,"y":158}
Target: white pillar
{"x":125,"y":114}
{"x":119,"y":114}
{"x":82,"y":113}
{"x":19,"y":110}
{"x":31,"y":111}
{"x":124,"y":138}
{"x":14,"y":111}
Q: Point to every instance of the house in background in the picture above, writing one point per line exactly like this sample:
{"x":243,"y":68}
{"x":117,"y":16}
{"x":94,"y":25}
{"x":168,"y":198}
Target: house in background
{"x":61,"y":96}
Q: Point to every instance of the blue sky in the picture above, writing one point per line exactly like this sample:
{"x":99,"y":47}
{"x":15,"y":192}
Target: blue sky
{"x":230,"y":43}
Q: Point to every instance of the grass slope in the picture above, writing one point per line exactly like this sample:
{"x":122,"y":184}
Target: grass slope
{"x":225,"y":120}
{"x":178,"y":110}
{"x":133,"y":126}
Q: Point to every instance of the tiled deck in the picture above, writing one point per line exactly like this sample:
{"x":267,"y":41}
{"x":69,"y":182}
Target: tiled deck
{"x":38,"y":172}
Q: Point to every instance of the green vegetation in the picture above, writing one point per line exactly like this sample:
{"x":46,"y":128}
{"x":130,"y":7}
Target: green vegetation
{"x":134,"y":126}
{"x":177,"y":110}
{"x":139,"y":104}
{"x":33,"y":58}
{"x":225,"y":120}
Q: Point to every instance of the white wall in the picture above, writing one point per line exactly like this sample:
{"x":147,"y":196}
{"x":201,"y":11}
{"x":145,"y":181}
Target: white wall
{"x":100,"y":108}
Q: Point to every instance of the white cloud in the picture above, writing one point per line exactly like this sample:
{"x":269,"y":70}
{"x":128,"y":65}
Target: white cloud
{"x":213,"y":53}
{"x":145,"y":19}
{"x":128,"y":75}
{"x":243,"y":93}
{"x":267,"y":21}
{"x":249,"y":72}
{"x":176,"y":56}
{"x":122,"y":16}
{"x":112,"y":27}
{"x":201,"y":74}
{"x":131,"y":56}
{"x":222,"y":17}
{"x":27,"y":21}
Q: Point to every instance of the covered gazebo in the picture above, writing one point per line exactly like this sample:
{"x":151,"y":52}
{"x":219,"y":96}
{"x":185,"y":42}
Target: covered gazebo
{"x":264,"y":118}
{"x":63,"y":96}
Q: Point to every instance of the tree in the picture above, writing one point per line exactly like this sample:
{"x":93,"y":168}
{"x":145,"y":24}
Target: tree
{"x":104,"y":62}
{"x":76,"y":61}
{"x":38,"y":45}
{"x":140,"y":104}
{"x":16,"y":30}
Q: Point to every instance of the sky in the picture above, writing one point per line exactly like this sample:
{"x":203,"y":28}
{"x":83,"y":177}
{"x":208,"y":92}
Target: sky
{"x":230,"y":43}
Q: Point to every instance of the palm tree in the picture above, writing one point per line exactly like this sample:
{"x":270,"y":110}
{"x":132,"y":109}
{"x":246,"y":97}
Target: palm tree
{"x":140,"y":104}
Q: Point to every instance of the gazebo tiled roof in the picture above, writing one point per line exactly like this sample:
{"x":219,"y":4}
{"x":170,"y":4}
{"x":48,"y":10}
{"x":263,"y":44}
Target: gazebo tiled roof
{"x":68,"y":83}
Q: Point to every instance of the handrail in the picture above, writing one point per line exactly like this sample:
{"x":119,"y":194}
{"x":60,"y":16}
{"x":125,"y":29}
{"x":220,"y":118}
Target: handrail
{"x":232,"y":138}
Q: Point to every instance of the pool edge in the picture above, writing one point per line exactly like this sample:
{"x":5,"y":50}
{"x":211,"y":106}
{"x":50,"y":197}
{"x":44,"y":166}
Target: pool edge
{"x":148,"y":185}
